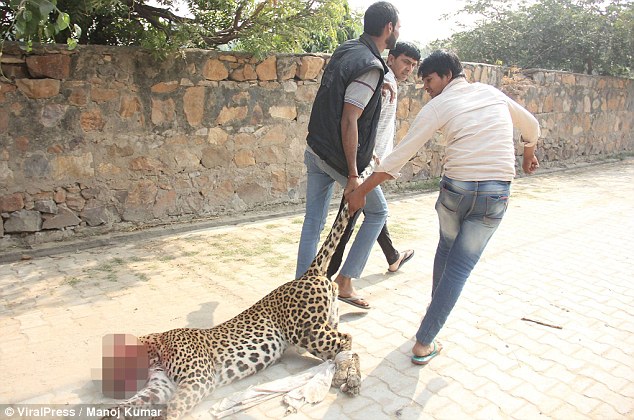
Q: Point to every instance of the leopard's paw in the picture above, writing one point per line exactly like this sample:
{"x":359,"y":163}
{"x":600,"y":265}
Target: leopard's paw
{"x":348,"y":375}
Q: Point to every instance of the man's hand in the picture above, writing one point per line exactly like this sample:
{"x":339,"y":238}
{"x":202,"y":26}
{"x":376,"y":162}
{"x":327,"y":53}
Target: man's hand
{"x":389,"y":88}
{"x":530,"y":165}
{"x":356,"y":201}
{"x":351,"y":185}
{"x":530,"y":162}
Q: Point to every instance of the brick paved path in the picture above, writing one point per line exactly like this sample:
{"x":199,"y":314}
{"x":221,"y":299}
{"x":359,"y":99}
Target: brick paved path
{"x":562,"y":257}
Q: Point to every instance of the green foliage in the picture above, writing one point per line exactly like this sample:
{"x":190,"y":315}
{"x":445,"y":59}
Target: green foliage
{"x":36,"y":20}
{"x":257,"y":26}
{"x":584,"y":36}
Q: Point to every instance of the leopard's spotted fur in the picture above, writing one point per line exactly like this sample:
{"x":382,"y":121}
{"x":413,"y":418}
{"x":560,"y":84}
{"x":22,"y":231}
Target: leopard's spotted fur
{"x":187,"y":364}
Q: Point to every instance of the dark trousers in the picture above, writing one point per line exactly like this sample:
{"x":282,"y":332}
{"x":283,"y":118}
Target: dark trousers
{"x":384,"y":240}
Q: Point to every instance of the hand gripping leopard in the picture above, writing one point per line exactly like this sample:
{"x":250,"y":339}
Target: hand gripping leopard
{"x":187,"y":364}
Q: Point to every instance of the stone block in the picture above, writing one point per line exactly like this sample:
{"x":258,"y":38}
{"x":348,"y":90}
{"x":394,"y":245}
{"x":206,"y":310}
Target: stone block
{"x":15,"y":71}
{"x":53,"y":66}
{"x":252,"y":193}
{"x":286,"y":67}
{"x":163,"y":111}
{"x":38,"y":88}
{"x":271,"y":155}
{"x":244,"y":73}
{"x":75,"y":201}
{"x":79,"y":167}
{"x":244,"y":158}
{"x":146,"y":164}
{"x":213,"y":157}
{"x":267,"y":69}
{"x":165,"y":203}
{"x":46,"y":206}
{"x":98,"y":94}
{"x":139,"y":201}
{"x":6,"y":174}
{"x":275,"y":135}
{"x":52,"y":114}
{"x":23,"y":221}
{"x":194,"y":105}
{"x":279,"y":181}
{"x":165,"y":87}
{"x":6,"y":88}
{"x":129,"y":106}
{"x":92,"y":120}
{"x":11,"y":202}
{"x":231,"y":114}
{"x":78,"y":96}
{"x":95,"y":215}
{"x":215,"y":70}
{"x":284,"y":112}
{"x":65,"y":217}
{"x":217,"y":136}
{"x":310,"y":67}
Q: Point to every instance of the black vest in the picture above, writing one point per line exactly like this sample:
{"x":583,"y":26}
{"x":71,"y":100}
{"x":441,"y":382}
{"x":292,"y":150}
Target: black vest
{"x":350,"y":60}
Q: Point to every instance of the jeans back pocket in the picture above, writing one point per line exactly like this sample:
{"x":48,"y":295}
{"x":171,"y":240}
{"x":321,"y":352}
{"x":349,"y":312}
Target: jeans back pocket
{"x":496,"y":206}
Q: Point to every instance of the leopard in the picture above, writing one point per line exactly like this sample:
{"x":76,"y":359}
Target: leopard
{"x":187,"y":364}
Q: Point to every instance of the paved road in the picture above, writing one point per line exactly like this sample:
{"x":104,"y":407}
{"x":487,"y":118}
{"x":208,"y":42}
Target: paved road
{"x":543,"y":329}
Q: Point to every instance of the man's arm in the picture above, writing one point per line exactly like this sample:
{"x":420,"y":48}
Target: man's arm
{"x":529,"y":127}
{"x":350,"y":141}
{"x":530,"y":162}
{"x":356,"y":198}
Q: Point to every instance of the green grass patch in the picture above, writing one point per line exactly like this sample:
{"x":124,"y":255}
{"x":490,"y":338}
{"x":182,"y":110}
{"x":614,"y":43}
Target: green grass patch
{"x":72,"y":281}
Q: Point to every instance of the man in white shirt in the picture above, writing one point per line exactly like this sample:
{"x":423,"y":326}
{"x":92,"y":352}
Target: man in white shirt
{"x":401,"y":62}
{"x":479,"y":165}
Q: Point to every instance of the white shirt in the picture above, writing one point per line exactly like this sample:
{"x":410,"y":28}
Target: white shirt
{"x":477,"y":121}
{"x":387,"y":123}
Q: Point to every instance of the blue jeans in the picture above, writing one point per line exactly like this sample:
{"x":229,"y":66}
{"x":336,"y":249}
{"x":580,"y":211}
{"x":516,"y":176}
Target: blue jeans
{"x":321,"y":180}
{"x":469,"y":212}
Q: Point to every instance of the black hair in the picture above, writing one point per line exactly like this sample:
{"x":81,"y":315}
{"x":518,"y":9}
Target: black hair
{"x":377,"y":16}
{"x":407,"y":48}
{"x":441,"y":62}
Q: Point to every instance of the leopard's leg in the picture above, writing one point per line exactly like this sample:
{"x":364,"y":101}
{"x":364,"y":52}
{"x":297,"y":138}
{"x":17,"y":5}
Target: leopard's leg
{"x":189,"y":393}
{"x":157,"y":392}
{"x":326,"y":343}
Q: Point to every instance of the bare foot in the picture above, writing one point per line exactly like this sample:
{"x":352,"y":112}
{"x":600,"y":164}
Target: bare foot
{"x":402,"y":259}
{"x":345,"y":286}
{"x":348,"y":294}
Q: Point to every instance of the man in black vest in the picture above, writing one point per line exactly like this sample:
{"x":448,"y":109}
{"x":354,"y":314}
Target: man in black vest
{"x":341,"y":137}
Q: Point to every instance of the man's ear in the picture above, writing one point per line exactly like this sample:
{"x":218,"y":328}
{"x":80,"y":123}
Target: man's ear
{"x":389,"y":28}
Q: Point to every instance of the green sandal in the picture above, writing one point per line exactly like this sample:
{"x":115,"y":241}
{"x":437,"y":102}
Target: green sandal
{"x":423,"y":360}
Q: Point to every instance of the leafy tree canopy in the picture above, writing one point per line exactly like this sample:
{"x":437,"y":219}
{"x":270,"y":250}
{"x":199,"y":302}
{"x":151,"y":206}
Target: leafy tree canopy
{"x":583,"y":36}
{"x":250,"y":25}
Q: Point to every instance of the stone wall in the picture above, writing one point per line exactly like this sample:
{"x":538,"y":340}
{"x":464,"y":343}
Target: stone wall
{"x":105,"y":139}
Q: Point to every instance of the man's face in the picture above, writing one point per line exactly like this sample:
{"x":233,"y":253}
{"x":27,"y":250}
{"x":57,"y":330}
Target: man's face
{"x":393,"y":36}
{"x":435,"y":84}
{"x":402,"y":66}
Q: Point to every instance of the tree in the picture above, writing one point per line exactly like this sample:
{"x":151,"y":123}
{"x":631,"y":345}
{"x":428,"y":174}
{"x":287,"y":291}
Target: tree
{"x":584,"y":36}
{"x":252,"y":25}
{"x":29,"y":20}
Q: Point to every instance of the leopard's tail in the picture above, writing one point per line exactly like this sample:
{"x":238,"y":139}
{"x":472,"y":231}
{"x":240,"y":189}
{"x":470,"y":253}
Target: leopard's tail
{"x":319,"y":266}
